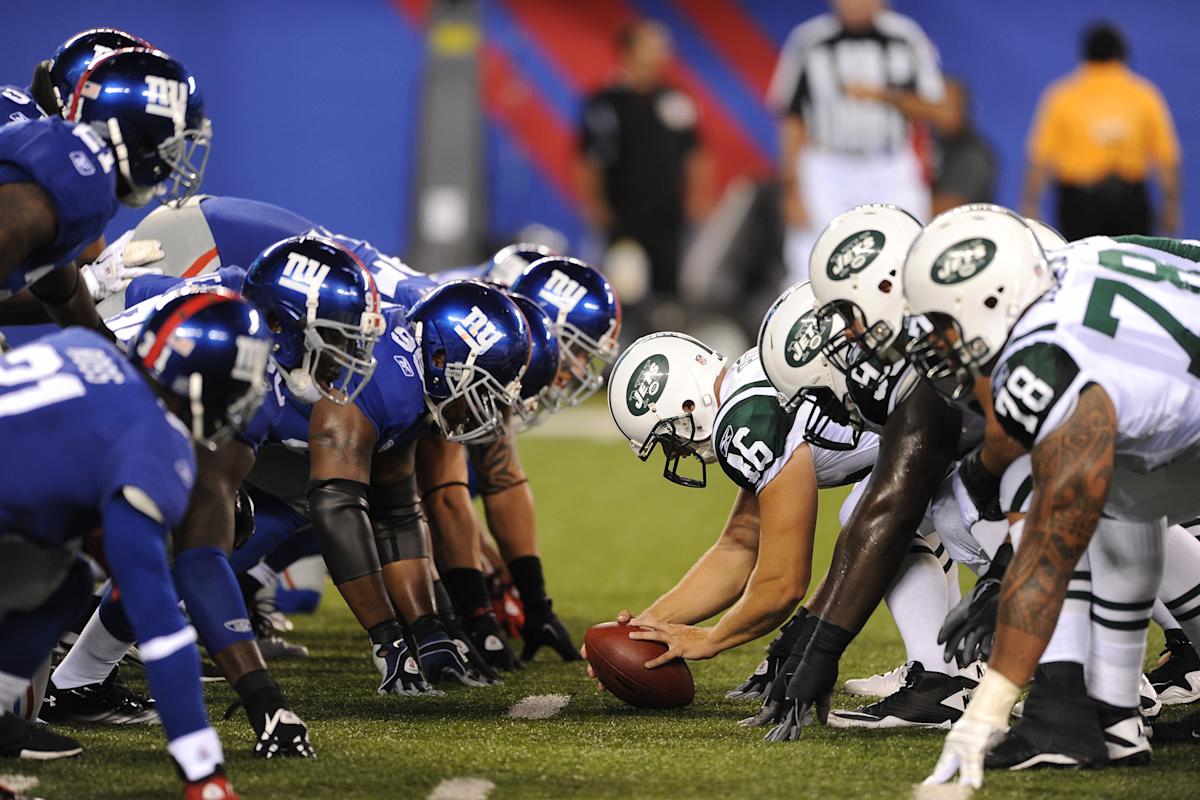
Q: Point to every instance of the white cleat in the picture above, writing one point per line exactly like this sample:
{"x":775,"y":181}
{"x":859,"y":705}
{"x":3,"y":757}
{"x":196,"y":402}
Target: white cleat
{"x":878,"y":685}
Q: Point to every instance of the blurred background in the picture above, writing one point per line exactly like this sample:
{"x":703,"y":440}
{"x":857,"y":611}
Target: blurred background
{"x":441,"y":129}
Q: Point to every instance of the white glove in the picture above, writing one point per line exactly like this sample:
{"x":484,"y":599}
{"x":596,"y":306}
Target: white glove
{"x":119,"y":264}
{"x":966,"y":745}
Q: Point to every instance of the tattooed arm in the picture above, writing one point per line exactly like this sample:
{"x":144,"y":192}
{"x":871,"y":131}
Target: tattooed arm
{"x":1072,"y":471}
{"x":507,"y":498}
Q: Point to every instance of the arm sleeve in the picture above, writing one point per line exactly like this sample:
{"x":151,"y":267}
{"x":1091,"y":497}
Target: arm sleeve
{"x":136,"y":549}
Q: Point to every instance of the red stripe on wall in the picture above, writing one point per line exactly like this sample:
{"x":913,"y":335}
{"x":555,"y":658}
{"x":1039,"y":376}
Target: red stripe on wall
{"x":738,"y":39}
{"x":579,"y":38}
{"x":416,"y":11}
{"x":513,"y":103}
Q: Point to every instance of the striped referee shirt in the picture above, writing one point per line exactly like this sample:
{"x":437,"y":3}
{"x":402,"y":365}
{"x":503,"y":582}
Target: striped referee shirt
{"x":821,"y":58}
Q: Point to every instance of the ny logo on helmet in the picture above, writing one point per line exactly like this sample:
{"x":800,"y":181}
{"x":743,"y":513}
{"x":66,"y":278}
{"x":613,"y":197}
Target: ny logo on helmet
{"x":302,"y":273}
{"x":647,"y":385}
{"x":854,"y":254}
{"x":251,"y":360}
{"x":479,"y":332}
{"x":963,"y":260}
{"x":805,"y":339}
{"x":562,"y":292}
{"x":167,"y":98}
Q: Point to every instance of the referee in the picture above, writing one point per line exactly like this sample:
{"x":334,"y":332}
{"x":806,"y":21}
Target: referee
{"x":849,"y":85}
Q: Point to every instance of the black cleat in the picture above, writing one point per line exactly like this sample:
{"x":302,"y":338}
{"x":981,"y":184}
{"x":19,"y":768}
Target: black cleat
{"x":927,"y":700}
{"x":22,"y":739}
{"x":107,"y":703}
{"x":273,"y":646}
{"x":1125,"y":736}
{"x":1059,"y":727}
{"x":1183,"y":730}
{"x":1177,"y":678}
{"x":1015,"y":752}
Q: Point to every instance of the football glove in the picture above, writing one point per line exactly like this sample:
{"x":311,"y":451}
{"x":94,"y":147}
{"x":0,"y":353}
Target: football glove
{"x":966,"y":746}
{"x":120,"y":263}
{"x":440,"y":657}
{"x":811,"y":687}
{"x":546,"y":630}
{"x":772,"y":709}
{"x":399,"y":669}
{"x":484,"y":632}
{"x":758,"y":685}
{"x":506,"y":605}
{"x":970,"y":627}
{"x":281,"y":734}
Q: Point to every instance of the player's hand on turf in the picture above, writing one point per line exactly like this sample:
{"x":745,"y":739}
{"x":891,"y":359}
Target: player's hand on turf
{"x":546,"y":630}
{"x":683,"y":641}
{"x":970,"y":627}
{"x":966,"y":746}
{"x":758,"y":685}
{"x":484,"y":632}
{"x":281,"y":734}
{"x":441,"y":659}
{"x":399,"y":669}
{"x":120,"y":263}
{"x":809,"y":690}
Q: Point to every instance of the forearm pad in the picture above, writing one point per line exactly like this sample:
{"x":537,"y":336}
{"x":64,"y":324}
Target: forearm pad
{"x":341,"y":518}
{"x":400,"y":531}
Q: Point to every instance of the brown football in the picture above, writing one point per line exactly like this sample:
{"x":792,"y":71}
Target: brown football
{"x":617,"y":661}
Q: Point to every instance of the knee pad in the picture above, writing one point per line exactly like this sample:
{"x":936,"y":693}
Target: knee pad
{"x":399,"y":525}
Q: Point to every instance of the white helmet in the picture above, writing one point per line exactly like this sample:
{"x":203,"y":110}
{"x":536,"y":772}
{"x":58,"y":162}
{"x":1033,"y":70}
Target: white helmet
{"x":855,"y":270}
{"x":1047,"y":236}
{"x":662,"y":391}
{"x":972,"y":272}
{"x":791,"y":344}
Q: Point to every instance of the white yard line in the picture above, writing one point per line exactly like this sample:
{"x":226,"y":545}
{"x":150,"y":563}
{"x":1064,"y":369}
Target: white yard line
{"x":539,"y":706}
{"x":462,"y":789}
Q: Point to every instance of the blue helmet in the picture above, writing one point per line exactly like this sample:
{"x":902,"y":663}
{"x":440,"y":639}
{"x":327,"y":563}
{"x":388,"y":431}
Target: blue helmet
{"x":587,"y":316}
{"x":474,"y":345}
{"x":322,"y":306}
{"x":208,"y":350}
{"x":56,"y":79}
{"x":543,"y":358}
{"x":509,"y":262}
{"x":146,"y":106}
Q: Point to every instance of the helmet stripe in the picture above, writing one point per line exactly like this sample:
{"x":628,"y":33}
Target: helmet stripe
{"x":186,"y":311}
{"x":73,"y":111}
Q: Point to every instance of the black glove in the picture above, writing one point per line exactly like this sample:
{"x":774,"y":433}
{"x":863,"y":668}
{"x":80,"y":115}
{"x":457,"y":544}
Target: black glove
{"x":772,"y":709}
{"x":399,"y":669}
{"x":546,"y":630}
{"x":484,"y":632}
{"x":970,"y":627}
{"x":278,"y":731}
{"x":982,"y":487}
{"x":811,"y":688}
{"x":440,"y":657}
{"x":758,"y":685}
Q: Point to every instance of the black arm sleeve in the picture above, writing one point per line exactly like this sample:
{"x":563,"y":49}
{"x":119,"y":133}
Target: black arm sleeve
{"x":341,"y":519}
{"x":917,"y":447}
{"x":400,"y":531}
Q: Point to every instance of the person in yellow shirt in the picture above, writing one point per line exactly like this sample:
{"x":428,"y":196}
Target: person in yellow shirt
{"x":1099,"y":133}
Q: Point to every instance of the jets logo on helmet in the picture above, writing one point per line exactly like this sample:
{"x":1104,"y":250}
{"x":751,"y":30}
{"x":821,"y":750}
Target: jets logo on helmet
{"x":562,"y":292}
{"x":806,"y":338}
{"x":963,"y":260}
{"x":854,"y":254}
{"x":647,"y":385}
{"x":479,"y":332}
{"x":303,"y":273}
{"x":167,"y":98}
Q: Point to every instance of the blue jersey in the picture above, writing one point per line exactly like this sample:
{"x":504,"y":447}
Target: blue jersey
{"x":393,"y":401}
{"x":17,"y":106}
{"x":151,"y":286}
{"x":85,"y":424}
{"x":77,"y":171}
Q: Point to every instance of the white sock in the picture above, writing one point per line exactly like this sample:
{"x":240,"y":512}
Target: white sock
{"x":12,"y":688}
{"x":198,"y":753}
{"x":917,"y":600}
{"x":92,"y":657}
{"x":1127,"y":566}
{"x":1179,"y":598}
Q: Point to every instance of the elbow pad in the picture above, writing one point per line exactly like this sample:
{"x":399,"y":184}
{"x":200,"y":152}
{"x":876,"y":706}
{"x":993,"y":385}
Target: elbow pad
{"x":341,"y":519}
{"x":400,"y":532}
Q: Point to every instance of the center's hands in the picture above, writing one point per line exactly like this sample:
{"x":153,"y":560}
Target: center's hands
{"x":683,"y":641}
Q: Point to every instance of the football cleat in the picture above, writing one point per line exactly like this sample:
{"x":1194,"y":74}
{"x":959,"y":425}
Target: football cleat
{"x":31,"y":740}
{"x":273,"y":646}
{"x":107,"y":703}
{"x":1125,"y":736}
{"x":484,"y":632}
{"x":1148,"y":700}
{"x":927,"y":700}
{"x":1177,"y":678}
{"x":281,"y":734}
{"x":1183,"y":730}
{"x":883,"y":685}
{"x":1061,"y":728}
{"x":1014,"y":752}
{"x":546,"y":630}
{"x":214,"y":787}
{"x":399,"y":670}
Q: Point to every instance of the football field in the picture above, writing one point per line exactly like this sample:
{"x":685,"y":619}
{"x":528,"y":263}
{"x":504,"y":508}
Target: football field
{"x":614,"y":534}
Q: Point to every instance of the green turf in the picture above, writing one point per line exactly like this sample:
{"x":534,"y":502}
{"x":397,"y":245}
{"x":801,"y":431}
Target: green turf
{"x":614,"y":535}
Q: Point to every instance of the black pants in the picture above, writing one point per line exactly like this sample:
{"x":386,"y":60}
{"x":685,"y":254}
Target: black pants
{"x":1112,"y":207}
{"x":662,"y":244}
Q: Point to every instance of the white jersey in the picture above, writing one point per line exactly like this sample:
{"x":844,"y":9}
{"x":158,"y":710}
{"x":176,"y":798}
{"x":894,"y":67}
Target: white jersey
{"x":754,"y":438}
{"x":1122,"y":318}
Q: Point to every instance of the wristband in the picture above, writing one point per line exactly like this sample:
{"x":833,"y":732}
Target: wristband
{"x":830,"y":639}
{"x":993,"y":700}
